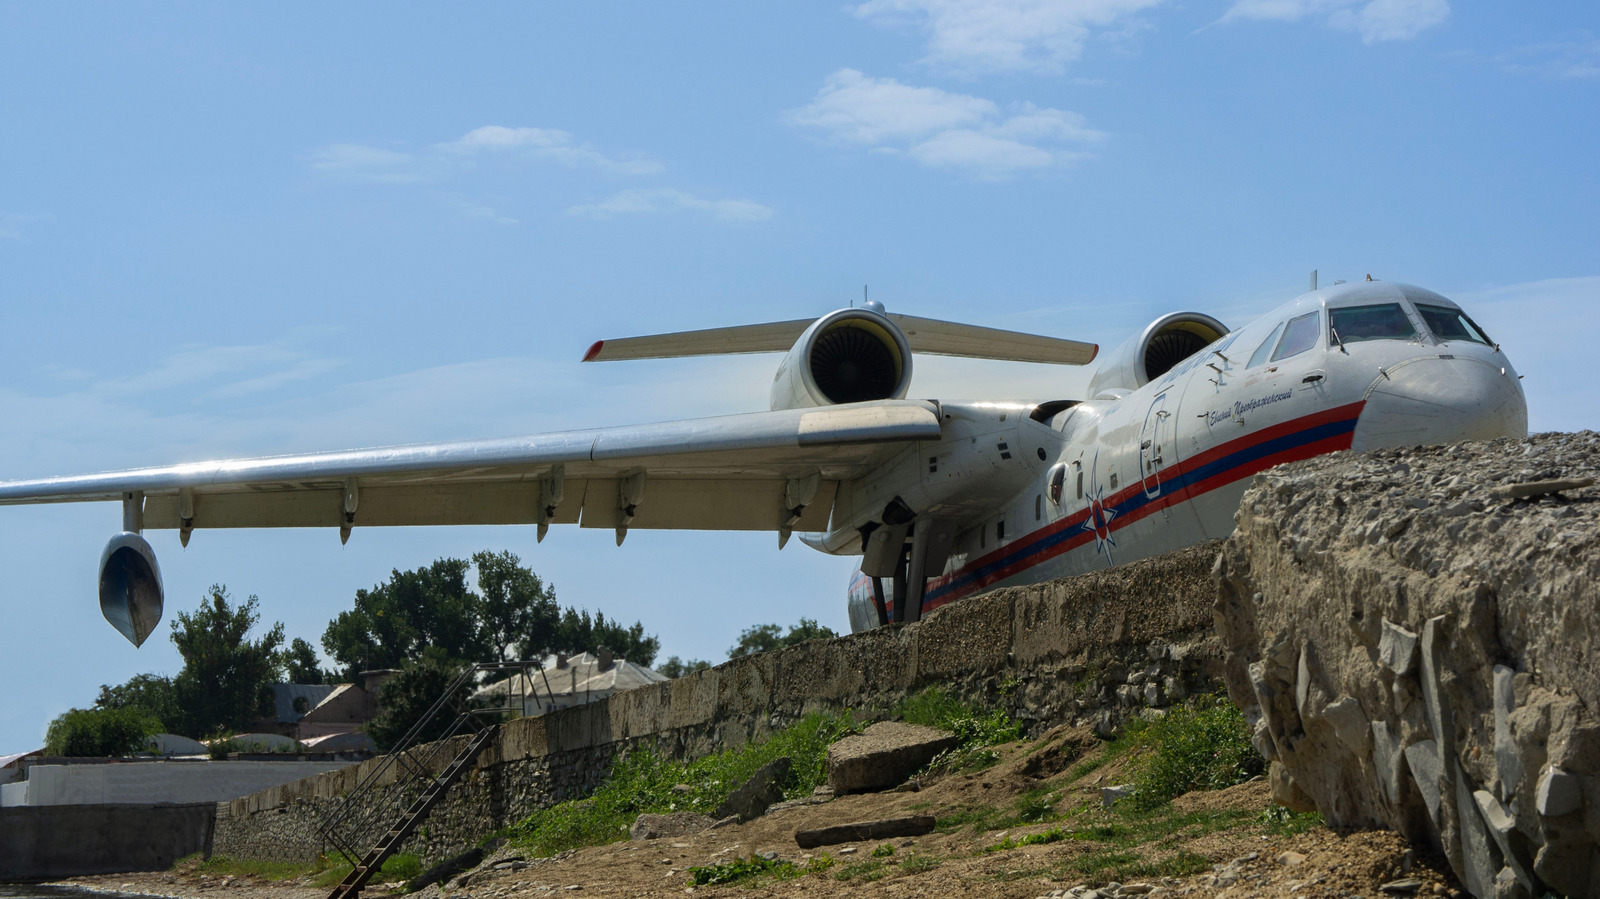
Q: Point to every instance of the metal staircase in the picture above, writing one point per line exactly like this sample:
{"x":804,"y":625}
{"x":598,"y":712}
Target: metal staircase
{"x":415,"y":776}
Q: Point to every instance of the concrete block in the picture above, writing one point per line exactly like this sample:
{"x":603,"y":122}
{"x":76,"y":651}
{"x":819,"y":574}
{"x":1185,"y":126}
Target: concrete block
{"x":1397,"y":648}
{"x":1559,"y":793}
{"x":1427,"y":768}
{"x":1349,"y":723}
{"x":884,"y":756}
{"x":1479,"y":864}
{"x":1387,"y":759}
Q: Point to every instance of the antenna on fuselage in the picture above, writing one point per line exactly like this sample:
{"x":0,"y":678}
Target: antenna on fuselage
{"x":1313,"y":279}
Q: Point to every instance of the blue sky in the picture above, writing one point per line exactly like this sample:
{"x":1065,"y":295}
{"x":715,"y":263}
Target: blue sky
{"x":233,"y":230}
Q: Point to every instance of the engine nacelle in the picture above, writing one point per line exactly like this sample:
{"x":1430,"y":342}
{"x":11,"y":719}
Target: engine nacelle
{"x":1153,"y":352}
{"x":848,"y":356}
{"x":130,"y":586}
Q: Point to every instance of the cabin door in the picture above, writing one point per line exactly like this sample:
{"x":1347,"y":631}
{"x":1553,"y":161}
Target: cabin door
{"x":1155,"y":444}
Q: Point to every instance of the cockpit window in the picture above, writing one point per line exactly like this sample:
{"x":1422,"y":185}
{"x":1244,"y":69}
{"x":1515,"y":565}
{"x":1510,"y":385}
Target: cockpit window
{"x":1260,"y":355}
{"x":1452,"y":324}
{"x":1383,"y":321}
{"x":1298,"y":336}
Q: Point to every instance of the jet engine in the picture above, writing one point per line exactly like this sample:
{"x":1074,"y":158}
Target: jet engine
{"x":1153,"y":352}
{"x":130,"y":586}
{"x":848,"y":356}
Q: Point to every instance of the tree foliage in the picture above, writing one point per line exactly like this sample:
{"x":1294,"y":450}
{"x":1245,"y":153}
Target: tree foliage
{"x":676,"y":667}
{"x":100,"y":732}
{"x":762,"y":637}
{"x":395,"y":620}
{"x":512,"y":614}
{"x":408,"y":695}
{"x":300,"y":665}
{"x":150,"y":693}
{"x":223,"y":684}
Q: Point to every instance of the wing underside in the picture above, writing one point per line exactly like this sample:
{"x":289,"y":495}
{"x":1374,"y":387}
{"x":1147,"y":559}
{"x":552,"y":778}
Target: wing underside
{"x":737,"y":472}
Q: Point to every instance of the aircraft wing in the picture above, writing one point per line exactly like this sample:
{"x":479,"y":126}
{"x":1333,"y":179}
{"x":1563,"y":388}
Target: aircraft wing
{"x":735,"y":472}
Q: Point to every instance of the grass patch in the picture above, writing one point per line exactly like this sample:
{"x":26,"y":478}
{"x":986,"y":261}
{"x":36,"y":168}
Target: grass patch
{"x":755,"y":867}
{"x":642,"y":783}
{"x":398,"y":867}
{"x":866,"y":870}
{"x":977,"y":730}
{"x":884,"y":851}
{"x":916,"y":864}
{"x":1053,"y":835}
{"x":1204,"y":745}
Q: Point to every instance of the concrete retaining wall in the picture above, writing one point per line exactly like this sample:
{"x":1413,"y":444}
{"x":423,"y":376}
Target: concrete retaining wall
{"x":1086,"y":649}
{"x":135,"y":783}
{"x":65,"y":840}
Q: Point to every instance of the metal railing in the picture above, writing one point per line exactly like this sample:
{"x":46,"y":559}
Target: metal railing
{"x":359,"y":820}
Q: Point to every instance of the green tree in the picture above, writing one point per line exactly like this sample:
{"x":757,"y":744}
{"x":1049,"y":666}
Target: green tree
{"x":676,"y":667}
{"x":762,"y":637}
{"x":578,"y":632}
{"x":151,"y":693}
{"x":395,"y":620}
{"x":408,"y":695}
{"x":300,"y":665}
{"x":100,"y":733}
{"x":517,"y":610}
{"x":223,"y":684}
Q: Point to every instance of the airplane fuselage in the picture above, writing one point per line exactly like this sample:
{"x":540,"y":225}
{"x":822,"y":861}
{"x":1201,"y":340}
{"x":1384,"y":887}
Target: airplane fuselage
{"x":1137,"y":473}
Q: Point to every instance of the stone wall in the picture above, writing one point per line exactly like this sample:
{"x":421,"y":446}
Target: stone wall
{"x":1413,"y":634}
{"x":1087,"y":649}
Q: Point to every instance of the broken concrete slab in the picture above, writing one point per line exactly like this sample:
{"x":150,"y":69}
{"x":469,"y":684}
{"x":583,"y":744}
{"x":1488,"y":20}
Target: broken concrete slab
{"x":913,"y":826}
{"x":1426,"y":769}
{"x":884,"y":755}
{"x":676,"y":824}
{"x":754,"y":796}
{"x":1349,"y":723}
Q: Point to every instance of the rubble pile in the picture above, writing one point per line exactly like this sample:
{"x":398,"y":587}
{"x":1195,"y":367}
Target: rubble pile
{"x":1412,"y":635}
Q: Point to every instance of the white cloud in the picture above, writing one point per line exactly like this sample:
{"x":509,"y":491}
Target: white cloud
{"x":548,"y":143}
{"x":1570,"y":59}
{"x":666,"y":199}
{"x":1374,"y":20}
{"x":941,"y":129}
{"x":362,"y":163}
{"x":977,"y":36}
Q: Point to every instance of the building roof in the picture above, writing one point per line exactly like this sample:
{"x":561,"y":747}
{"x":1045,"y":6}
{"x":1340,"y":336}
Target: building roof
{"x":284,"y":695}
{"x":580,"y":675}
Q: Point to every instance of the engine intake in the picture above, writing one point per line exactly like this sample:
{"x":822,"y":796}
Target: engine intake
{"x":1153,"y":352}
{"x":848,"y":356}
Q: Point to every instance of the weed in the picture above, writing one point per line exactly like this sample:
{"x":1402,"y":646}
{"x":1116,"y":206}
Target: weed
{"x":1035,"y":806}
{"x":979,"y":817}
{"x":884,"y":851}
{"x":1283,"y":822}
{"x":1053,"y":835}
{"x":916,"y":864}
{"x":741,"y":869}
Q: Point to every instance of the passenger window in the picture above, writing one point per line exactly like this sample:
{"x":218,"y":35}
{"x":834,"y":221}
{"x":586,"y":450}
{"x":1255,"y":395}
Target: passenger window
{"x":1452,"y":324}
{"x":1384,"y":321}
{"x":1260,"y":355}
{"x":1298,"y":336}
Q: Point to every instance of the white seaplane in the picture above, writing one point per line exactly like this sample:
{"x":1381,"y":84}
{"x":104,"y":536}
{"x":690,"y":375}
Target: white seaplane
{"x":940,"y":499}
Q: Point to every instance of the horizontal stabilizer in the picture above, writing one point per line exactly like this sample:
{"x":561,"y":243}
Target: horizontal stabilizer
{"x":925,"y":335}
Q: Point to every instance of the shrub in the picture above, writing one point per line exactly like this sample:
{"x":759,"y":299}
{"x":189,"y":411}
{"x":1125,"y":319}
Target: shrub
{"x":101,"y":732}
{"x":1204,"y":745}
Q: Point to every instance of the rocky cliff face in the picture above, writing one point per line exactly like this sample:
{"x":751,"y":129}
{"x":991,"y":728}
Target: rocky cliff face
{"x":1415,"y":636}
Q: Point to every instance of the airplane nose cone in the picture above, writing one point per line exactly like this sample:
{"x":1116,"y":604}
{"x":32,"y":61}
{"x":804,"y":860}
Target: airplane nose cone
{"x":1433,"y":400}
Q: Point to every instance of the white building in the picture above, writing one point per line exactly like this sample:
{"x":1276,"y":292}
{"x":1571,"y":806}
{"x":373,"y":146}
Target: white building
{"x":562,"y":682}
